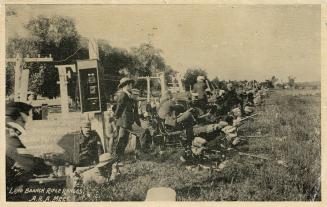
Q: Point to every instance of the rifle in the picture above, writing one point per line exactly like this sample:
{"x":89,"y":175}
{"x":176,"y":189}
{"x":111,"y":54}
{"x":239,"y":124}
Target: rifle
{"x":248,"y":117}
{"x":251,"y":136}
{"x":255,"y":156}
{"x":241,"y":122}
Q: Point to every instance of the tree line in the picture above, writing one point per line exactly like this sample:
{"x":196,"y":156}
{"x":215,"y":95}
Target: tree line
{"x":58,"y":36}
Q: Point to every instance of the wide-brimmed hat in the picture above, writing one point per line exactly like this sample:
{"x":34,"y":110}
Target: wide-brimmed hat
{"x":104,"y":159}
{"x":125,"y":81}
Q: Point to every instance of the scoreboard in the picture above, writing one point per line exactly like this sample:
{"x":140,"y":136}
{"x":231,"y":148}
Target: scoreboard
{"x":90,"y":82}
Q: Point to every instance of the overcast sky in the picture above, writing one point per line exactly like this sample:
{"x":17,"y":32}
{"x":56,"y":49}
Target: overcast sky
{"x":231,"y":42}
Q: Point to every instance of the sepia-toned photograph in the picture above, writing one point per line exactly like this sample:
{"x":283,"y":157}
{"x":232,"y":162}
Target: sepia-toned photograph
{"x":169,"y":102}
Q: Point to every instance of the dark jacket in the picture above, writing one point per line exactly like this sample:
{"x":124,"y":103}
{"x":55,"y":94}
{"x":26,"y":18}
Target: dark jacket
{"x":173,"y":114}
{"x":90,"y":149}
{"x":13,"y":157}
{"x":21,"y":167}
{"x":126,"y":111}
{"x":231,"y":100}
{"x":200,"y":89}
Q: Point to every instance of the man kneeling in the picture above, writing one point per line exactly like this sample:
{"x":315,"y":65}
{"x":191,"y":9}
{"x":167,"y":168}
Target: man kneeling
{"x":173,"y":117}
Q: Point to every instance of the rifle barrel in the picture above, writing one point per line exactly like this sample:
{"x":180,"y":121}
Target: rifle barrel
{"x":248,"y":117}
{"x":253,"y":136}
{"x":255,"y":156}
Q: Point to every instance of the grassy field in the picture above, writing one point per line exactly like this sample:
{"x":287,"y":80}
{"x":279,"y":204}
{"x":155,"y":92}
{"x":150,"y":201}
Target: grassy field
{"x":290,"y":123}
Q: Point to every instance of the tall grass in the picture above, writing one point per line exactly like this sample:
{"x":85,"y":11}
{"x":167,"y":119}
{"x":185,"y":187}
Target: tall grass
{"x":292,"y":173}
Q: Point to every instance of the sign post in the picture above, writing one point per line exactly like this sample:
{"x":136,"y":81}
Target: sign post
{"x":180,"y":84}
{"x":92,"y":97}
{"x":148,"y":83}
{"x":62,"y":69}
{"x":24,"y":85}
{"x":18,"y":72}
{"x":21,"y":83}
{"x":162,"y":82}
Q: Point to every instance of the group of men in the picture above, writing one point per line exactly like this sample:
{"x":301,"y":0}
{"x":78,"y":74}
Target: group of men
{"x":123,"y":120}
{"x":209,"y":112}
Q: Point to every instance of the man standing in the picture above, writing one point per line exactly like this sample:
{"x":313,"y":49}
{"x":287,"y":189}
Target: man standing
{"x":126,"y":114}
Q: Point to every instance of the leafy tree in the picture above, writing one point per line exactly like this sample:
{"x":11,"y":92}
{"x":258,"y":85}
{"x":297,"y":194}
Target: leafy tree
{"x":50,"y":88}
{"x":116,"y":62}
{"x":57,"y":36}
{"x":191,"y":76}
{"x":10,"y":79}
{"x":36,"y":79}
{"x":49,"y":35}
{"x":21,"y":46}
{"x":144,"y":60}
{"x":148,"y":60}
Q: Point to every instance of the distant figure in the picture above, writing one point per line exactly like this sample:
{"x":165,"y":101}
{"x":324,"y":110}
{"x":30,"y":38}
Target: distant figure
{"x":200,"y":89}
{"x":249,"y":104}
{"x":90,"y":145}
{"x":231,"y":99}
